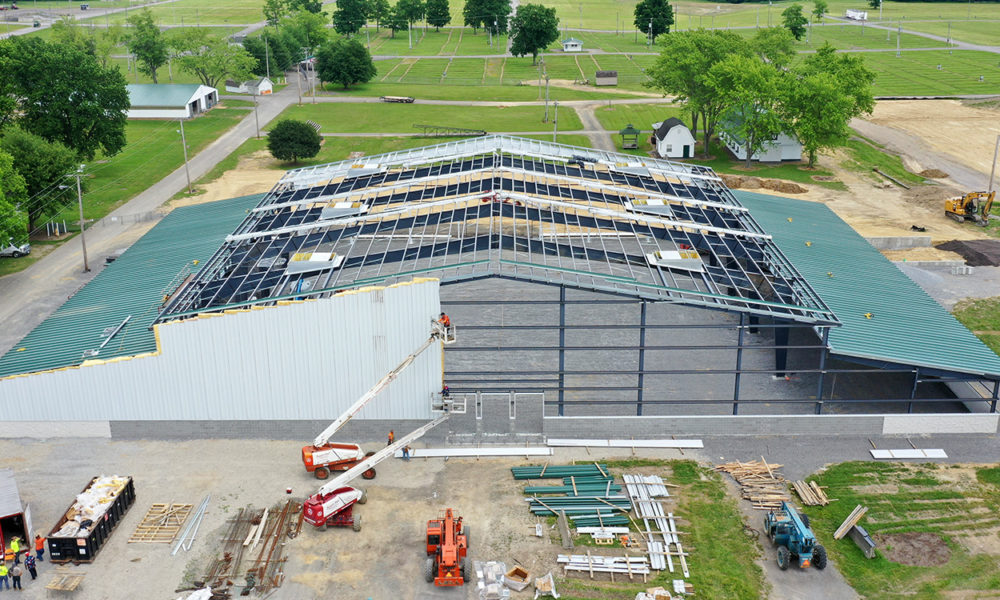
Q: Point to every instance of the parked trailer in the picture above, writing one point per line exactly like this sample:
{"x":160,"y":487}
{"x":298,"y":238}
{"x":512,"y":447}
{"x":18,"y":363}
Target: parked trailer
{"x":402,"y":99}
{"x":63,"y":549}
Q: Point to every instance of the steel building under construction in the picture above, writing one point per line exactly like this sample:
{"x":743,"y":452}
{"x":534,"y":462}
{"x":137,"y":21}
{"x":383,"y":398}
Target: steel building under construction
{"x":592,"y":291}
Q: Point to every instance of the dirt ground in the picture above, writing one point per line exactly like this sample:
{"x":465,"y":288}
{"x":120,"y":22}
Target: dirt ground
{"x":383,"y":560}
{"x":916,"y":549}
{"x":966,"y":132}
{"x":253,"y":175}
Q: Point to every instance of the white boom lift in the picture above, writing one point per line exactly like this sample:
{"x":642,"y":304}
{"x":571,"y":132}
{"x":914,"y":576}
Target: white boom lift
{"x":324,"y":456}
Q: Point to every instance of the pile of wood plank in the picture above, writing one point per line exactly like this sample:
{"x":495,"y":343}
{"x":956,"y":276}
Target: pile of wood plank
{"x":851,"y":520}
{"x":632,"y":566}
{"x":811,"y":494}
{"x":760,"y":481}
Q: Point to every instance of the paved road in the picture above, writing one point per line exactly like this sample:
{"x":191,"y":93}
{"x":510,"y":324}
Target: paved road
{"x":29,"y":297}
{"x":955,"y":43}
{"x":78,"y":15}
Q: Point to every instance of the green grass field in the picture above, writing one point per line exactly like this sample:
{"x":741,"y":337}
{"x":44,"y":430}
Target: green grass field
{"x":855,"y":37}
{"x":974,"y":32}
{"x":400,"y":118}
{"x":917,"y":73}
{"x":153,"y":151}
{"x":982,"y":315}
{"x":199,"y":12}
{"x":955,"y":504}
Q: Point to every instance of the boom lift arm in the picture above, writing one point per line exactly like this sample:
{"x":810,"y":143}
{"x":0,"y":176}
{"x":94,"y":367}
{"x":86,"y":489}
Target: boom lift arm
{"x":391,"y":376}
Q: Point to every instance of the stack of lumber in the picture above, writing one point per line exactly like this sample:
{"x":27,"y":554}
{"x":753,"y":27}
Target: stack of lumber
{"x":760,"y":481}
{"x":851,"y":520}
{"x":811,"y":494}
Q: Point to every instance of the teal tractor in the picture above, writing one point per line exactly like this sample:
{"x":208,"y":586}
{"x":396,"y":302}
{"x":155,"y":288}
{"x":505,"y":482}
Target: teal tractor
{"x":790,"y":531}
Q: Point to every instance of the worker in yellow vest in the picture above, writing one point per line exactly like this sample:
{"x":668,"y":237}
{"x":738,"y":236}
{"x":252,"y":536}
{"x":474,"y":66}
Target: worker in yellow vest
{"x":15,"y":547}
{"x":3,"y":576}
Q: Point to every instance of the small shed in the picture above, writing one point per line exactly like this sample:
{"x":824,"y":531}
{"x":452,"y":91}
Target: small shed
{"x":15,"y":517}
{"x":673,"y":139}
{"x":170,"y":100}
{"x":572,"y":45}
{"x":606,"y":78}
{"x":630,"y":137}
{"x":254,"y":87}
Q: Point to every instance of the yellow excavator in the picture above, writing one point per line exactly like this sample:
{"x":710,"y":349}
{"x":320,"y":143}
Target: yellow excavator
{"x":974,"y":206}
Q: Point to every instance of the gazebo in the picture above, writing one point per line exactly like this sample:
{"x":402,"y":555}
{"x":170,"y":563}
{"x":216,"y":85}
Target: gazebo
{"x":630,"y":137}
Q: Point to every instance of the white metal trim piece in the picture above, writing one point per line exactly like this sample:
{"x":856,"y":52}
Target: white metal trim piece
{"x":908,"y":453}
{"x":595,"y":443}
{"x":476,"y":452}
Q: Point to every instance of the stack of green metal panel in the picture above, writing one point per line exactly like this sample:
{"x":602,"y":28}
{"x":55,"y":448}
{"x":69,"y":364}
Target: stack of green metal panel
{"x":588,"y":495}
{"x":559,"y":471}
{"x":578,"y":486}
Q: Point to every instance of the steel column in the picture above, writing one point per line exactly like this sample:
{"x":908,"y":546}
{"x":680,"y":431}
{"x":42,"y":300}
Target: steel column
{"x":781,"y":351}
{"x":642,"y":357}
{"x":913,"y":390}
{"x":739,"y":365}
{"x":822,"y":372}
{"x":562,"y":347}
{"x":996,"y":393}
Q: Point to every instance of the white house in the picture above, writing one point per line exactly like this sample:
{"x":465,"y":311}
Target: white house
{"x":782,"y":147}
{"x":170,"y":100}
{"x":254,"y":87}
{"x":572,"y":45}
{"x":673,"y":139}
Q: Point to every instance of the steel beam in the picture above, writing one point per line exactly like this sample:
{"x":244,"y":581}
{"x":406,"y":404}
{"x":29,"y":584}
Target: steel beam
{"x":642,"y":357}
{"x":822,"y":366}
{"x":562,"y":346}
{"x":739,"y":367}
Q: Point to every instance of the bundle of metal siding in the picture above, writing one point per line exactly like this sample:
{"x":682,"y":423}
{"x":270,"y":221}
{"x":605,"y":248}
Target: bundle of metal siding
{"x":642,"y":490}
{"x":627,"y":565}
{"x":585,"y":521}
{"x":580,"y":489}
{"x":559,"y":471}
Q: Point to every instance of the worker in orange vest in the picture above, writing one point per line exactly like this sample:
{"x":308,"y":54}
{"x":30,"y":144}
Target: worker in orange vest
{"x":39,"y":546}
{"x":392,"y":437}
{"x":444,"y":320}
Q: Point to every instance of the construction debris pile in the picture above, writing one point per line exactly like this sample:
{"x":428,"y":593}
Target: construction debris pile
{"x":88,"y":523}
{"x":811,"y":493}
{"x":761,"y":483}
{"x":251,"y":554}
{"x":91,"y":505}
{"x":589,"y":497}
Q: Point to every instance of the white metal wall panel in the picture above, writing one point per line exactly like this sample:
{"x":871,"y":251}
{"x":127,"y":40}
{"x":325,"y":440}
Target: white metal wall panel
{"x":308,"y":360}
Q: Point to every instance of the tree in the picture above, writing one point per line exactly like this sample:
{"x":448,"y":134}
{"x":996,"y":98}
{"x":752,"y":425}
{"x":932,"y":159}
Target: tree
{"x":819,"y":9}
{"x":795,"y":21}
{"x":291,"y":140}
{"x":67,"y":32}
{"x":349,"y":16}
{"x":681,"y":70}
{"x":212,"y":59}
{"x":64,"y":95}
{"x":533,"y":28}
{"x":653,"y":17}
{"x":438,"y":13}
{"x":752,"y":90}
{"x":818,"y":111}
{"x":854,"y":77}
{"x":396,"y":21}
{"x":313,"y":6}
{"x":346,"y":62}
{"x":108,"y":39}
{"x":274,"y":10}
{"x":492,"y":15}
{"x":412,"y":10}
{"x":774,"y":45}
{"x":309,"y":28}
{"x":146,"y":42}
{"x":13,"y":220}
{"x":43,"y":165}
{"x":378,"y":11}
{"x":874,"y":3}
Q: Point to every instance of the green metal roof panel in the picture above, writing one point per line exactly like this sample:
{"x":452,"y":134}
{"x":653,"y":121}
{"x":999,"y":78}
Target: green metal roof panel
{"x":854,"y":279}
{"x":161,"y":95}
{"x":132,"y":285}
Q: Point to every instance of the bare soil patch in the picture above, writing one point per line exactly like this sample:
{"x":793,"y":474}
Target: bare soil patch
{"x":983,"y":541}
{"x":254,"y":174}
{"x":914,"y":548}
{"x":918,"y":254}
{"x":967,"y":133}
{"x":933,"y":173}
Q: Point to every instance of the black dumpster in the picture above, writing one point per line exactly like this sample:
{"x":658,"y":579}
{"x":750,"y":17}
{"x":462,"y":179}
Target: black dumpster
{"x":83,"y":549}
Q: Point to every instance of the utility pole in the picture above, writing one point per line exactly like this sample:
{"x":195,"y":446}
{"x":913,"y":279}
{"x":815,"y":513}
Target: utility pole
{"x":768,"y":13}
{"x":79,"y":200}
{"x":256,"y":119}
{"x":409,"y":33}
{"x":312,"y":65}
{"x":267,"y":58}
{"x":993,"y":169}
{"x":546,"y":119}
{"x":581,"y":16}
{"x":555,"y":121}
{"x":899,"y":33}
{"x":650,"y":33}
{"x":298,"y":80}
{"x":185,"y":147}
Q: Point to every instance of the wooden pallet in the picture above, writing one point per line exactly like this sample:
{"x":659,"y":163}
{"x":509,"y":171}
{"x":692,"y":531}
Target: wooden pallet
{"x":161,"y":523}
{"x":65,"y":581}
